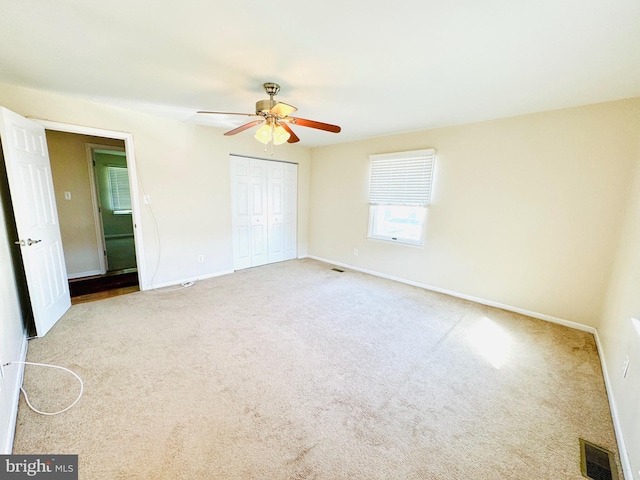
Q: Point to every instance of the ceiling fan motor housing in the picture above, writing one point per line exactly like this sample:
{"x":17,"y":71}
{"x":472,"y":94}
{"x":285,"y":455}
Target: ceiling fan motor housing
{"x":263,"y":106}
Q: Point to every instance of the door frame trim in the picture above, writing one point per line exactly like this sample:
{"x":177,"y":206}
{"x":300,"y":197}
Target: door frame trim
{"x":133,"y":180}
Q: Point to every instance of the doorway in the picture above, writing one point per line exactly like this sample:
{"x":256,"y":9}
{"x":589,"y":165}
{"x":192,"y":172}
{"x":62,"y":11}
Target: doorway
{"x":112,"y":197}
{"x":92,"y":183}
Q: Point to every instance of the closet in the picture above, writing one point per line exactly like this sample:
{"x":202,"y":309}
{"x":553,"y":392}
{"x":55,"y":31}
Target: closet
{"x":264,"y":211}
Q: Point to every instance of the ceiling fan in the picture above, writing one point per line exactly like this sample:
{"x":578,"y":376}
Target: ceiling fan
{"x":275,"y":117}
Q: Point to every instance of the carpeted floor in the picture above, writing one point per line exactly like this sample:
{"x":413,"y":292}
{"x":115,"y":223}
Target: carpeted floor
{"x":295,"y":371}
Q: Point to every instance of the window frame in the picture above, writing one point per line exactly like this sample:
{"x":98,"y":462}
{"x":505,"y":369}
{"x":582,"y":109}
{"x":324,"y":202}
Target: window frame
{"x":373,"y":235}
{"x":398,"y":180}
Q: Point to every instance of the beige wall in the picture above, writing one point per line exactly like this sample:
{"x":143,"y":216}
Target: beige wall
{"x":70,"y":170}
{"x":526,"y":211}
{"x":184,"y":168}
{"x":538,"y":212}
{"x":618,"y":337}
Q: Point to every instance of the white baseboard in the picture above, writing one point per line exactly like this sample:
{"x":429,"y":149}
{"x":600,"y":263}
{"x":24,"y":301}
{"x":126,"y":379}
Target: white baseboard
{"x":15,"y":395}
{"x":624,"y":457}
{"x":174,"y":283}
{"x":89,"y":273}
{"x":617,"y":426}
{"x":482,"y":301}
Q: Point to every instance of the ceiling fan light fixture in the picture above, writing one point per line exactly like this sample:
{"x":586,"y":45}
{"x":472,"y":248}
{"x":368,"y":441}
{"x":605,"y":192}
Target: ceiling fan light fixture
{"x":271,"y":114}
{"x":280,"y":135}
{"x":263,"y":134}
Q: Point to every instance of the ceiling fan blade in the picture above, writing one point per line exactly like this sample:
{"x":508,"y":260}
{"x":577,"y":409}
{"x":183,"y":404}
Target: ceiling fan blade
{"x":313,"y":124}
{"x":228,"y":113}
{"x":293,"y":138}
{"x":244,"y":127}
{"x":282,"y":109}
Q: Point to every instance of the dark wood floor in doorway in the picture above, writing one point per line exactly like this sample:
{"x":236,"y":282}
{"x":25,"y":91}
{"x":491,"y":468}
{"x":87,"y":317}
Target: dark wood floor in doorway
{"x":103,"y":286}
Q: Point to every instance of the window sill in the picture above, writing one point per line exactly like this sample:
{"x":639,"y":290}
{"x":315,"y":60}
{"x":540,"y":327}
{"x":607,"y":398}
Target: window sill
{"x":396,"y":242}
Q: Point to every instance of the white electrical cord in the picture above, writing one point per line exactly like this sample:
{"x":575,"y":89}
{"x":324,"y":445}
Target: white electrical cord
{"x":174,"y":289}
{"x":158,"y":243}
{"x":26,"y":397}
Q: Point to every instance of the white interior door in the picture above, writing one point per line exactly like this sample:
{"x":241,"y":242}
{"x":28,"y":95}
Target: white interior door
{"x":24,"y":146}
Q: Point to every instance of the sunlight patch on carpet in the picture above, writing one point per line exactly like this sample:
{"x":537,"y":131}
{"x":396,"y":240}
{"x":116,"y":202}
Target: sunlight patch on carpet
{"x":491,"y":341}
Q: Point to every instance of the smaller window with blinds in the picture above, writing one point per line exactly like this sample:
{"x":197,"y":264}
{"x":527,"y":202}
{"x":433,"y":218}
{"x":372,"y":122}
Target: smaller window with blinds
{"x":399,"y":195}
{"x":119,"y":192}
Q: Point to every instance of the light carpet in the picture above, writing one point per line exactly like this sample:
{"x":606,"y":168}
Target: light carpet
{"x":295,"y":371}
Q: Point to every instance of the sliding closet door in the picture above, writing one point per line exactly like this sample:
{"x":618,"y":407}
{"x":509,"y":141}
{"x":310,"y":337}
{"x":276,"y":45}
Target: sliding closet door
{"x":240,"y":218}
{"x":258,"y":203}
{"x":290,"y":210}
{"x":264,"y":199}
{"x":275,"y":200}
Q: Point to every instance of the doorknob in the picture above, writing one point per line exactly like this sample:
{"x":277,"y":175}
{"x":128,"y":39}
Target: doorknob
{"x":28,"y":242}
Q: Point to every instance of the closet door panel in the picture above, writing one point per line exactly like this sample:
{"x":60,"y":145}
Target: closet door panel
{"x":275,"y":211}
{"x":264,"y":212}
{"x":240,"y":213}
{"x":290,"y":212}
{"x":259,"y":219}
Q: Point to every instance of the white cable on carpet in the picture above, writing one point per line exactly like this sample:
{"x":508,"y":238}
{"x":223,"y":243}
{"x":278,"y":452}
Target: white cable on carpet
{"x":182,"y":285}
{"x":26,"y":397}
{"x":158,"y":243}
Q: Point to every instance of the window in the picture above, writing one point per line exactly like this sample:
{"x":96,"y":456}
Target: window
{"x":119,"y":190}
{"x":399,"y":194}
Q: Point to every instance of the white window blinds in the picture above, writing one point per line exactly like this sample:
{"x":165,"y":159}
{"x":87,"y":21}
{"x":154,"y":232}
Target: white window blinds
{"x":119,"y":188}
{"x":402,"y":178}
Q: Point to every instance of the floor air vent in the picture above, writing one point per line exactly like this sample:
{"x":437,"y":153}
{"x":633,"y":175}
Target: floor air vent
{"x":596,"y":462}
{"x":337,"y":270}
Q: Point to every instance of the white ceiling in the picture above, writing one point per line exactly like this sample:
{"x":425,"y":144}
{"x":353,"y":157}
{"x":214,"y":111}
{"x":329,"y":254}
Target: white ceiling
{"x":373,"y":67}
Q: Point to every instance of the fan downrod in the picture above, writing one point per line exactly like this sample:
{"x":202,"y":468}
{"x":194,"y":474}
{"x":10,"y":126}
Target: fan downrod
{"x":263,"y":106}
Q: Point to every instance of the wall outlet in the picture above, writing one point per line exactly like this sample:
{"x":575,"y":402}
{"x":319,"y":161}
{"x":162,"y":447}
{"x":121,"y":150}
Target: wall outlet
{"x":200,"y":258}
{"x":625,"y":366}
{"x":355,"y":252}
{"x":67,"y":195}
